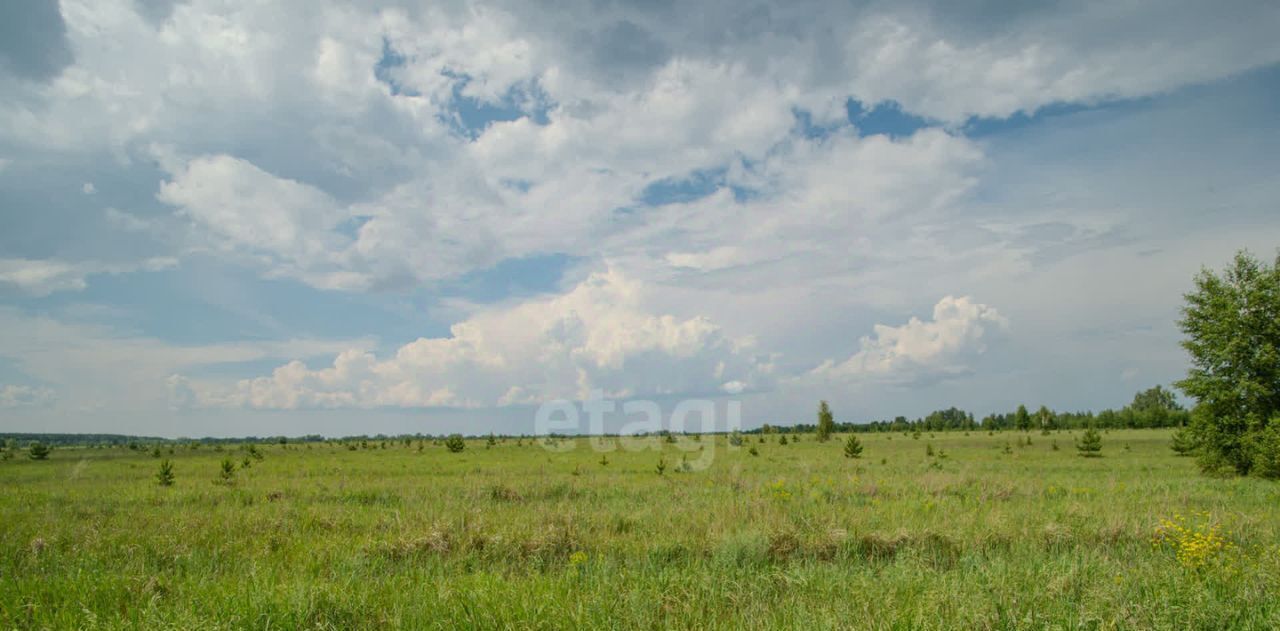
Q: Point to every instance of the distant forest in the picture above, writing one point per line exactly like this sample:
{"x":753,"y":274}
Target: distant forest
{"x":1153,"y":408}
{"x":1156,"y":407}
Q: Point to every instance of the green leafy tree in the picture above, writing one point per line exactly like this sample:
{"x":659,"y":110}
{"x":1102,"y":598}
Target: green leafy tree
{"x":455,"y":443}
{"x":164,"y":477}
{"x":852,"y":447}
{"x":1232,"y":326}
{"x":1090,"y":443}
{"x":1022,"y":419}
{"x":1046,"y":419}
{"x":39,"y":451}
{"x":826,"y":422}
{"x":1156,"y":407}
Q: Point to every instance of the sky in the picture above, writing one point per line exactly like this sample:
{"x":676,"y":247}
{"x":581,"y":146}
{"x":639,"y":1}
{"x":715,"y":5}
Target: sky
{"x":226,"y":218}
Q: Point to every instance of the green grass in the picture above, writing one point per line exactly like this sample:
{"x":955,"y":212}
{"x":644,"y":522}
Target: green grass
{"x":519,"y":537}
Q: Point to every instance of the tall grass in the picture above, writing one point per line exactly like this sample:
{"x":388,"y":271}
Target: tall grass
{"x":515,"y":536}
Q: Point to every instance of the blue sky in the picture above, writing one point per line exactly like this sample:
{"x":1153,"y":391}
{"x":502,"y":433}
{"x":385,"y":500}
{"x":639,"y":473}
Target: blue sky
{"x":433,"y":217}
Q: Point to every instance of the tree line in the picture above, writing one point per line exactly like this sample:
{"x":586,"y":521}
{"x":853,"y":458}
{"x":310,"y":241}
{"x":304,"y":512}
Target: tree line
{"x":1152,"y":408}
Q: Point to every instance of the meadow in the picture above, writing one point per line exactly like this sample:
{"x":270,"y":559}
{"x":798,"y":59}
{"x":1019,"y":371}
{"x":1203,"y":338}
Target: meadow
{"x":988,"y":532}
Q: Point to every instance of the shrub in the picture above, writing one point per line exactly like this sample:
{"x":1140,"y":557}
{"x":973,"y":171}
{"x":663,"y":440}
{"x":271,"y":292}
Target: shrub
{"x":164,"y":477}
{"x":1265,"y":448}
{"x":1090,"y":443}
{"x":455,"y":443}
{"x":502,"y":493}
{"x":662,"y":466}
{"x":228,"y":471}
{"x":753,"y":451}
{"x":1184,"y":443}
{"x":735,"y":439}
{"x":782,"y":440}
{"x":852,"y":447}
{"x":39,"y":451}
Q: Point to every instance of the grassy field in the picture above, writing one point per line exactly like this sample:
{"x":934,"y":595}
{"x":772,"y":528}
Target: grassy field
{"x":987,"y":533}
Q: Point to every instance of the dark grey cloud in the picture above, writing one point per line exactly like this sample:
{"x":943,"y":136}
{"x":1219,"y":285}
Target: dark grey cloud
{"x":33,"y":39}
{"x":624,"y":50}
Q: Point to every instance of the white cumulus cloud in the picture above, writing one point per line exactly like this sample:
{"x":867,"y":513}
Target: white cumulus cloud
{"x":959,"y":330}
{"x":596,"y":336}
